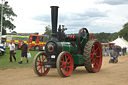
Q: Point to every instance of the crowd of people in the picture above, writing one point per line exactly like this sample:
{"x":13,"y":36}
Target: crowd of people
{"x":114,"y":52}
{"x":119,"y":51}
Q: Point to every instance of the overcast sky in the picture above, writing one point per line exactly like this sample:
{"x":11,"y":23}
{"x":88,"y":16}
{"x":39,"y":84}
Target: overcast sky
{"x":95,"y":15}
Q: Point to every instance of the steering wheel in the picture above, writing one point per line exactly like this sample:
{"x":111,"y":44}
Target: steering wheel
{"x":83,"y":37}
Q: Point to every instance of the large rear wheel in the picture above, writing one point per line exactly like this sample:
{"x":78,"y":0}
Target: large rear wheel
{"x":92,"y":56}
{"x":65,"y":64}
{"x":38,"y":65}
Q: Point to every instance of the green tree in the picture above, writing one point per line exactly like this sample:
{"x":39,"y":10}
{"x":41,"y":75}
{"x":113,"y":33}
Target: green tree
{"x":113,"y":36}
{"x":124,"y":32}
{"x":8,"y":15}
{"x":48,"y":31}
{"x":102,"y":37}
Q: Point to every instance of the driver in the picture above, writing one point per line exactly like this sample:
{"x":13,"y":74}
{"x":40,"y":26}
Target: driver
{"x":83,"y":32}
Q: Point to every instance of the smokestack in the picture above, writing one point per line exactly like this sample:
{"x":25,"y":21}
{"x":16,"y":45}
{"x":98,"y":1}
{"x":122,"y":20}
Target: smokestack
{"x":54,"y":19}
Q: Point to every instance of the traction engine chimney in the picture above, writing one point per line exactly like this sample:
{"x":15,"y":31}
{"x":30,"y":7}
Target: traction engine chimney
{"x":54,"y":20}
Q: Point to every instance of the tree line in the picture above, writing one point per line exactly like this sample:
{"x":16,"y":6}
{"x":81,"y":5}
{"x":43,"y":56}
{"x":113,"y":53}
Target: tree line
{"x":108,"y":37}
{"x":102,"y":37}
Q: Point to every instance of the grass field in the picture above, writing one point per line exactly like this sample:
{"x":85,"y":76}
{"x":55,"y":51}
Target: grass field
{"x":5,"y":62}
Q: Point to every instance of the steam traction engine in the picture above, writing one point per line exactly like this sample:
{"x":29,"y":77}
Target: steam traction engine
{"x":68,"y":52}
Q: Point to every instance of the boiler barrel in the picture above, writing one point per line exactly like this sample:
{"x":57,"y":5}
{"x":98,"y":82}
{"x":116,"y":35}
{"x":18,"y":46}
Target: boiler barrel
{"x":67,"y":46}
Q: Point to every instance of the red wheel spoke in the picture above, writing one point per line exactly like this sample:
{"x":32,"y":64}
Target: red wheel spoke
{"x":66,"y":58}
{"x":96,"y":63}
{"x":92,"y":61}
{"x":63,"y":58}
{"x":62,"y":61}
{"x":92,"y":49}
{"x":91,"y":58}
{"x":97,"y":56}
{"x":96,"y":50}
{"x":61,"y":65}
{"x":39,"y":58}
{"x":70,"y":62}
{"x":67,"y":68}
{"x":39,"y":68}
{"x":38,"y":61}
{"x":37,"y":65}
{"x":63,"y":69}
{"x":92,"y":55}
{"x":43,"y":58}
{"x":44,"y":68}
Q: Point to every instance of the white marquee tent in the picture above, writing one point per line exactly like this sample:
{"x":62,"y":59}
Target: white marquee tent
{"x":120,"y":42}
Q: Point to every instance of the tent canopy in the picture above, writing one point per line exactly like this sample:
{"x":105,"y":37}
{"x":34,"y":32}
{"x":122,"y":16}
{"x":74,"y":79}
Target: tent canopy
{"x":120,"y":42}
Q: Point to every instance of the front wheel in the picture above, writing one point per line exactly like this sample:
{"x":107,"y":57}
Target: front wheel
{"x":38,"y":65}
{"x":65,"y":64}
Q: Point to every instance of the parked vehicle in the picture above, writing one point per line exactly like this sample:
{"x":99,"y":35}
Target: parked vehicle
{"x":35,"y":41}
{"x":2,"y":49}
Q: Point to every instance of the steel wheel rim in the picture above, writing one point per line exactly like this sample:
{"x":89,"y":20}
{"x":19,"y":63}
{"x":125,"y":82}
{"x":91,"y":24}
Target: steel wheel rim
{"x":96,"y":56}
{"x":66,"y":65}
{"x":39,"y":64}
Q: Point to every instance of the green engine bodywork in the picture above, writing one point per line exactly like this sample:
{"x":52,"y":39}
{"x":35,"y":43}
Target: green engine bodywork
{"x":78,"y":59}
{"x":67,"y":46}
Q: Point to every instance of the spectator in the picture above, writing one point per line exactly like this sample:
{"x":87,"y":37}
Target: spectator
{"x":111,"y":50}
{"x":12,"y":51}
{"x":24,"y":49}
{"x":123,"y":50}
{"x":105,"y":52}
{"x":113,"y":54}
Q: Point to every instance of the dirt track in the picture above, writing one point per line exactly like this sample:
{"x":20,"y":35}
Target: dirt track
{"x":110,"y":74}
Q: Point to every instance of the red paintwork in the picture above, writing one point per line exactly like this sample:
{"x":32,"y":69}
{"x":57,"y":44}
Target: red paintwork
{"x":92,"y":37}
{"x":29,"y":42}
{"x":37,"y":42}
{"x":51,"y":47}
{"x":40,"y":66}
{"x":67,"y":58}
{"x":96,"y":56}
